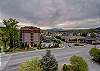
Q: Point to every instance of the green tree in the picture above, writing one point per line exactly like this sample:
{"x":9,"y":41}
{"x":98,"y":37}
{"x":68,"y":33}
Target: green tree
{"x":93,"y":35}
{"x":95,"y":54}
{"x":4,"y":38}
{"x":78,"y":64}
{"x":39,"y":45}
{"x":11,"y":30}
{"x":84,"y":34}
{"x":59,"y":37}
{"x":64,"y":67}
{"x":31,"y":65}
{"x":49,"y":62}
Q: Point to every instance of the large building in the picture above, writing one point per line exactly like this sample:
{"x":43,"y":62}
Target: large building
{"x":30,"y":35}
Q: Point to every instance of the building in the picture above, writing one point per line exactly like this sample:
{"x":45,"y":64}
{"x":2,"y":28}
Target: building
{"x":90,"y":40}
{"x":98,"y":36}
{"x":75,"y":39}
{"x":30,"y":35}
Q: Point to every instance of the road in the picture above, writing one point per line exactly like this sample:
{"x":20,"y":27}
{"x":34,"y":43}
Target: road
{"x":12,"y":61}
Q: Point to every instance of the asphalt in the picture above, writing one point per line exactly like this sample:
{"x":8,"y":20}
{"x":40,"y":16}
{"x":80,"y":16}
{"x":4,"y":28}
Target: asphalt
{"x":10,"y":62}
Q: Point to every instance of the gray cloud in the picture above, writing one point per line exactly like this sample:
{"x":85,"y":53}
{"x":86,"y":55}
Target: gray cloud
{"x":50,"y":12}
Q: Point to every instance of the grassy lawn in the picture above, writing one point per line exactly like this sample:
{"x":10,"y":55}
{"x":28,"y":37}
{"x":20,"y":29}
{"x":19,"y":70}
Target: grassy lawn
{"x":22,"y":50}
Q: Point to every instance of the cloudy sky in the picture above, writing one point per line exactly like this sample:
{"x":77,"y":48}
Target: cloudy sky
{"x":53,"y":13}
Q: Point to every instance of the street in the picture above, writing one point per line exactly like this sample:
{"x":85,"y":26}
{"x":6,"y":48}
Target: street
{"x":62,"y":55}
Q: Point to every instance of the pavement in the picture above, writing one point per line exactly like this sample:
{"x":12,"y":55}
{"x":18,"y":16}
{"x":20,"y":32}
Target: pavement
{"x":10,"y":62}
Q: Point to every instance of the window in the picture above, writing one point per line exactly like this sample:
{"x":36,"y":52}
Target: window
{"x":31,"y":39}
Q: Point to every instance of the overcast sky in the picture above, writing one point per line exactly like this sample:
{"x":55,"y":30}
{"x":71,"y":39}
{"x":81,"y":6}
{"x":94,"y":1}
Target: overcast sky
{"x":53,"y":13}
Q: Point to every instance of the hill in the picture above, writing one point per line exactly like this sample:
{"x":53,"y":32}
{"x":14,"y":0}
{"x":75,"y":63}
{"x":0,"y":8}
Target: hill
{"x":98,"y":28}
{"x":55,"y":30}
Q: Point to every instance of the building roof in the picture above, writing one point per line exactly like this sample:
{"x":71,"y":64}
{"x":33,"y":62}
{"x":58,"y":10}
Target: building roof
{"x":89,"y":38}
{"x":29,"y":28}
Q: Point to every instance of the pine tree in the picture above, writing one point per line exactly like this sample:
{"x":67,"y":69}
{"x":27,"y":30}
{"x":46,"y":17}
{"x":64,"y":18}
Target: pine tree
{"x":48,"y":62}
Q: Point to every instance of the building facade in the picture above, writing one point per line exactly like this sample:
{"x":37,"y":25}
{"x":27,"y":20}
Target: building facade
{"x":30,"y":35}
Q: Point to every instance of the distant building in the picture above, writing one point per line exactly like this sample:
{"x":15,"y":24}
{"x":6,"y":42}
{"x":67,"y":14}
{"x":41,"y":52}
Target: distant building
{"x":98,"y":36}
{"x":75,"y":39}
{"x":30,"y":35}
{"x":90,"y":40}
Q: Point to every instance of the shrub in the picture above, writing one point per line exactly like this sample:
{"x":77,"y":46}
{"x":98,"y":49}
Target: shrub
{"x":64,"y":67}
{"x":49,"y":62}
{"x":95,"y":53}
{"x":39,"y":46}
{"x":67,"y":67}
{"x":31,"y":65}
{"x":78,"y":64}
{"x":22,"y":45}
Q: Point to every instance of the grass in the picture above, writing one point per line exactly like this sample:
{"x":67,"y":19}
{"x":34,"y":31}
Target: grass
{"x":19,"y":50}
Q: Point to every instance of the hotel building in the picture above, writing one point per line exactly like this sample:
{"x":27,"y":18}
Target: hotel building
{"x":30,"y":35}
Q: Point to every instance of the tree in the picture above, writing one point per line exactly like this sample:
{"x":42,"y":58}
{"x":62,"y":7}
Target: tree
{"x":78,"y":64}
{"x":4,"y":38}
{"x":11,"y":30}
{"x":22,"y":45}
{"x":31,"y":65}
{"x":39,"y":45}
{"x":84,"y":34}
{"x":58,"y":37}
{"x":64,"y":67}
{"x":48,"y":62}
{"x":95,"y":54}
{"x":93,"y":35}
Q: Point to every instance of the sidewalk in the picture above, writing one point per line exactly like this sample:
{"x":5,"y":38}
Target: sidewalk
{"x":3,"y":65}
{"x":4,"y":59}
